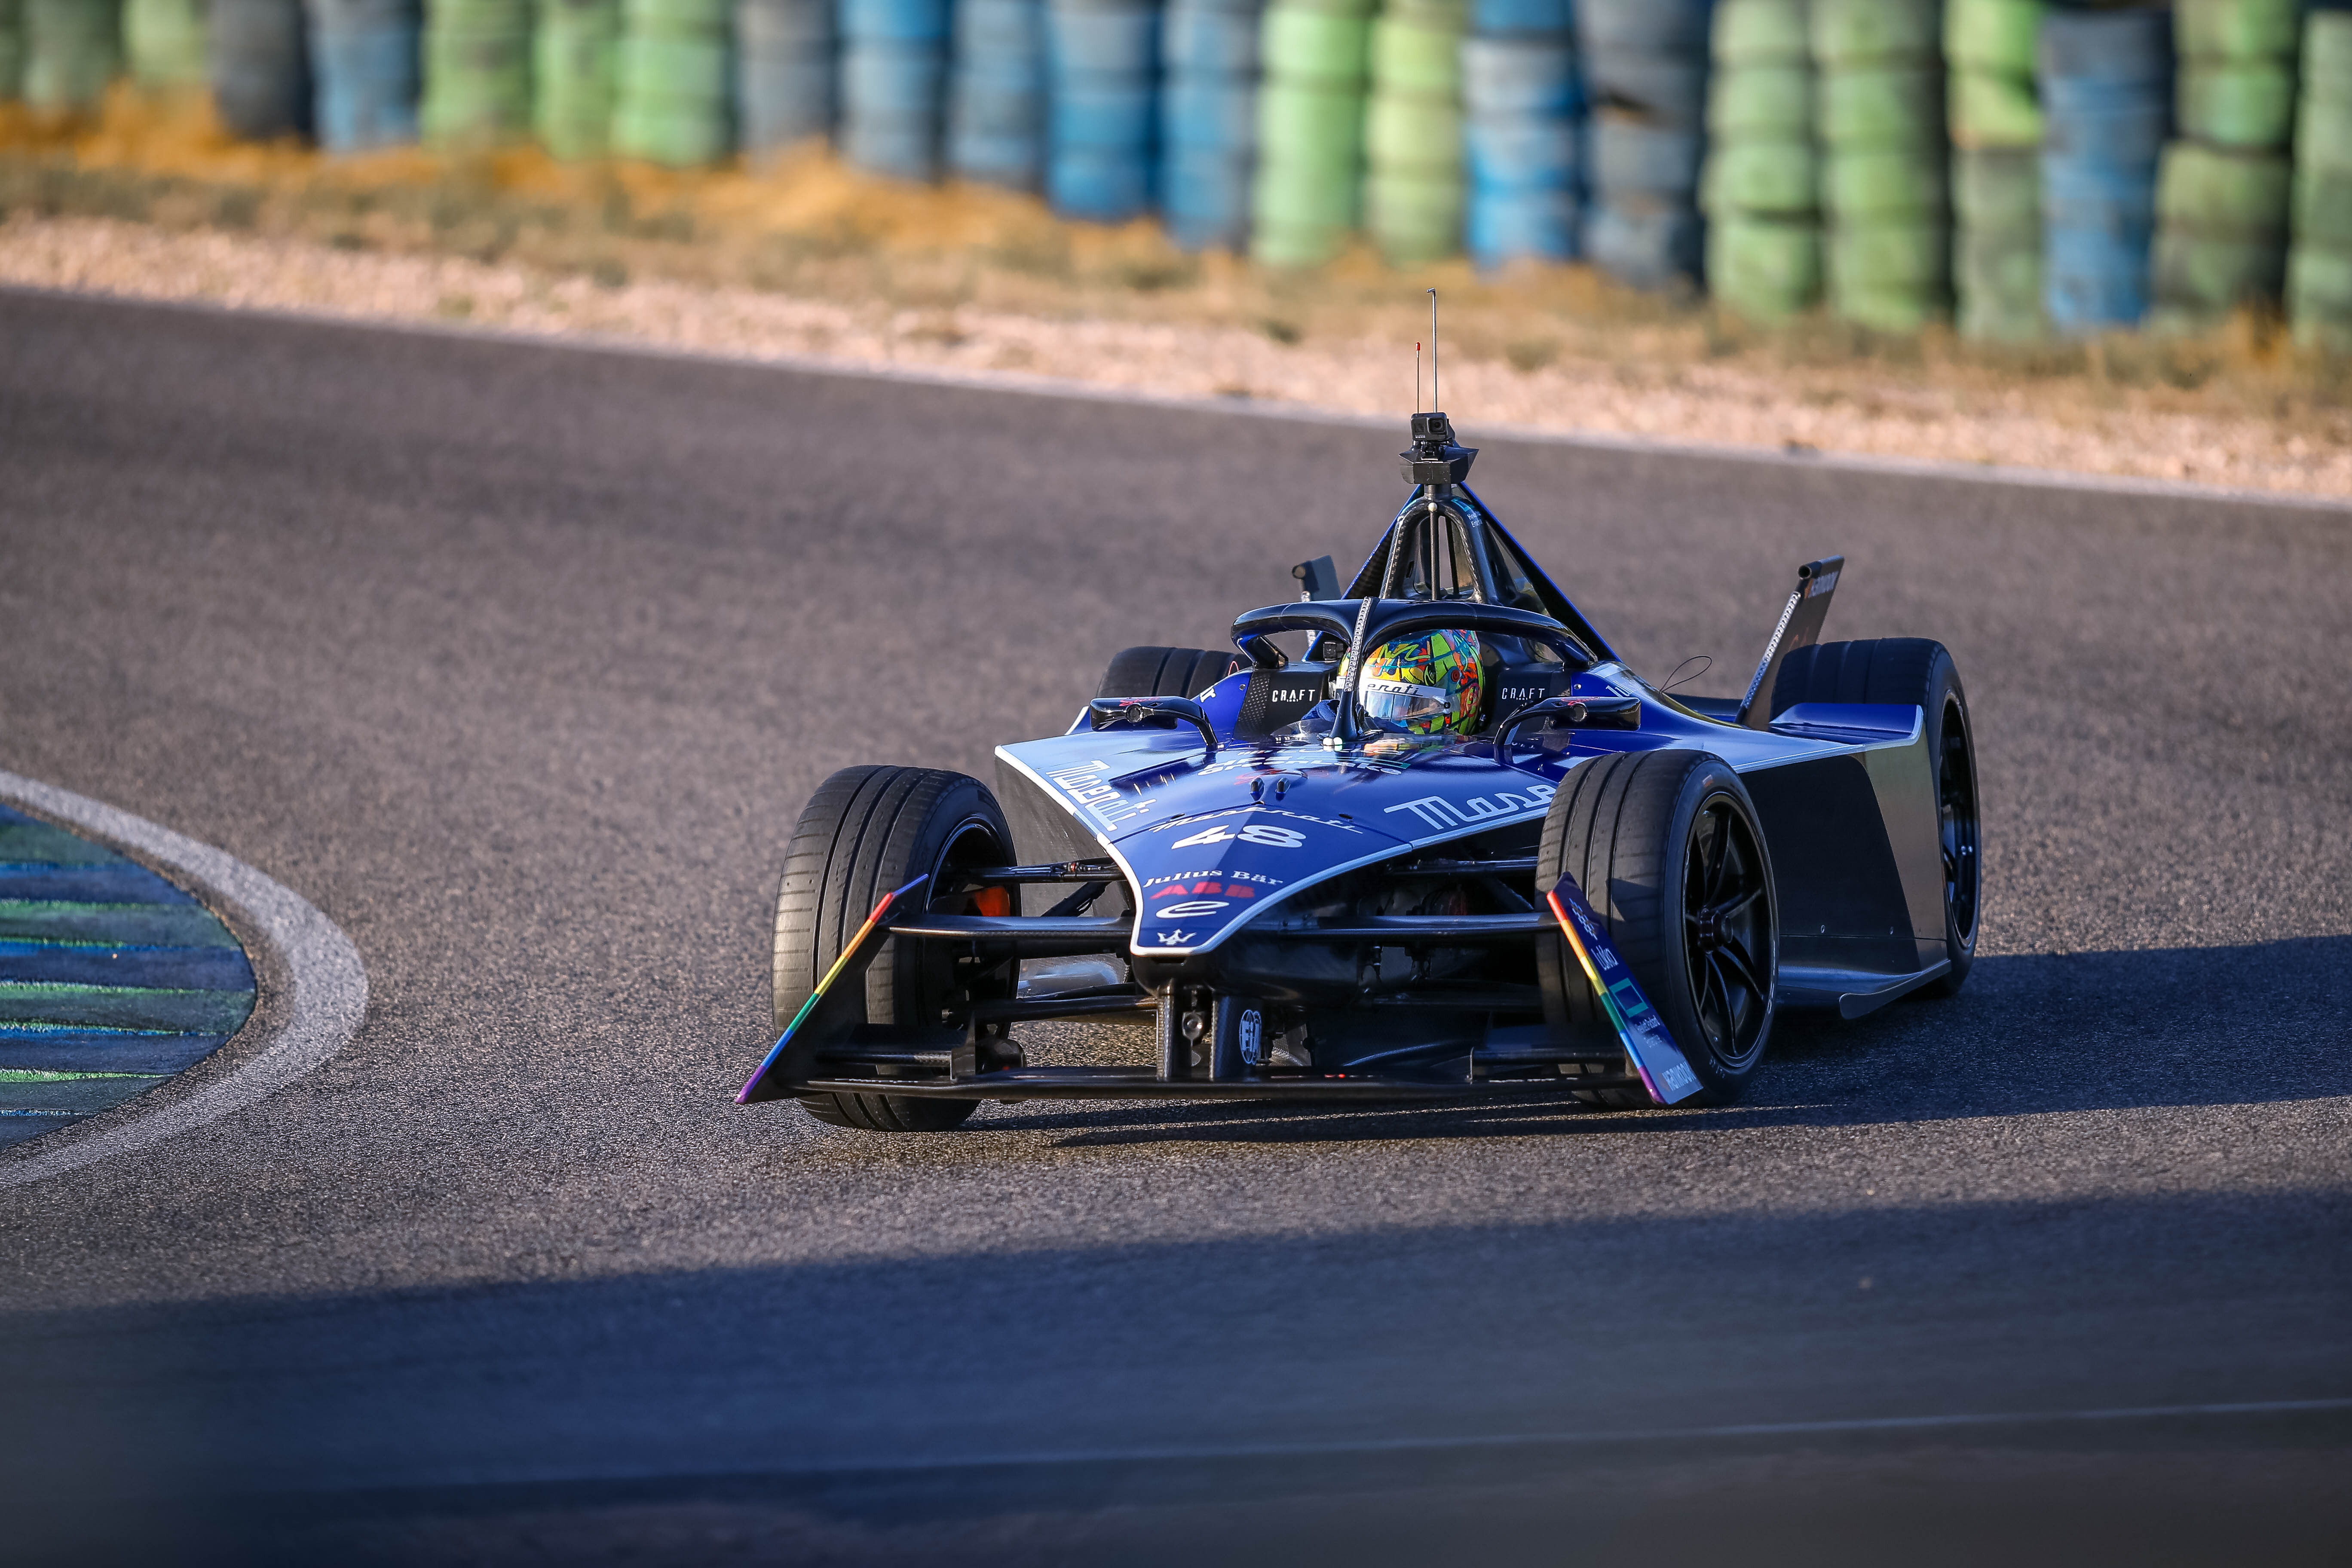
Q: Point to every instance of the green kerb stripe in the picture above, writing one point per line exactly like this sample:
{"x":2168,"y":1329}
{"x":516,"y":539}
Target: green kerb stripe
{"x":61,"y":1003}
{"x":138,"y":925}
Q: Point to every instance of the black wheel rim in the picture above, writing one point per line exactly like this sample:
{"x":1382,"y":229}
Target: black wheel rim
{"x":953,"y":979}
{"x":1956,"y":809}
{"x":1727,"y":932}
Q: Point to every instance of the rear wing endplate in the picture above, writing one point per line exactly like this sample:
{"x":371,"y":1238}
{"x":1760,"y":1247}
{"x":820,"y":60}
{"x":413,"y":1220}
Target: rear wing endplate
{"x":1801,"y":627}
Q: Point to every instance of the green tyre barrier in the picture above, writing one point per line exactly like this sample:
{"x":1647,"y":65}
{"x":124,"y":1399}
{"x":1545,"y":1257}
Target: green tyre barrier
{"x":1759,"y":33}
{"x":1764,"y":177}
{"x":1311,"y":125}
{"x":1880,"y":106}
{"x":2217,"y":189}
{"x":2240,"y":105}
{"x":1285,"y":243}
{"x":1766,"y":269}
{"x":1407,"y":57}
{"x":677,"y":70}
{"x":1903,"y":185}
{"x":2236,"y":29}
{"x":72,"y":50}
{"x":2323,"y":205}
{"x":2216,"y":272}
{"x":681,"y":135}
{"x":1853,"y":32}
{"x":2319,"y":297}
{"x":1989,"y":110}
{"x":1770,"y":102}
{"x":1306,"y":195}
{"x":574,"y":68}
{"x":1414,"y":218}
{"x":1884,"y":309}
{"x":1994,"y":37}
{"x":1891,"y":255}
{"x":1420,"y":134}
{"x":477,"y":64}
{"x":2323,"y":129}
{"x":2327,"y":55}
{"x":1300,"y":45}
{"x":164,"y":42}
{"x":1997,"y":190}
{"x":11,"y":49}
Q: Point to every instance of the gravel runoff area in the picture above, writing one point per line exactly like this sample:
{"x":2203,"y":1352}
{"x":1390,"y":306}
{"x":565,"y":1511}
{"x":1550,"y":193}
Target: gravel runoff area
{"x":1794,"y":407}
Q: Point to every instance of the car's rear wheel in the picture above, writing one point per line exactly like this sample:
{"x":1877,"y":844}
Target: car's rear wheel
{"x":866,"y":832}
{"x":1165,"y":672}
{"x":1668,"y":850}
{"x":1914,"y":672}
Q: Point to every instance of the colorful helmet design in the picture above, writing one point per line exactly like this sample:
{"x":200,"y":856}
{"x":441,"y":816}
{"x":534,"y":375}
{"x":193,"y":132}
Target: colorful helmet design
{"x":1428,"y":685}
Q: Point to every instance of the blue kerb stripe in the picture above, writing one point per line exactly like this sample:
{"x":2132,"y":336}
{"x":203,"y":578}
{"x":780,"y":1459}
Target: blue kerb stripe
{"x":119,"y":882}
{"x":84,"y":1050}
{"x":153,"y":968}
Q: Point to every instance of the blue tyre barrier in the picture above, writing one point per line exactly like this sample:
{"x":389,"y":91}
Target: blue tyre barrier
{"x":1102,"y":185}
{"x":2105,"y":46}
{"x":1649,"y":249}
{"x":780,"y":101}
{"x":780,"y":27}
{"x":1521,"y":16}
{"x":2084,"y":195}
{"x":1652,"y":160}
{"x":1521,"y":153}
{"x":1015,"y":162}
{"x":895,"y":21}
{"x":1092,"y":113}
{"x":2134,"y":136}
{"x":1206,"y":196}
{"x":905,"y":149}
{"x":1662,"y":90}
{"x":1643,"y":26}
{"x":2091,"y":278}
{"x":363,"y":61}
{"x":998,"y":28}
{"x":1209,"y":113}
{"x":1518,"y":76}
{"x":893,"y":81}
{"x":258,"y":66}
{"x":986,"y":106}
{"x":1122,"y":41}
{"x":1197,"y":41}
{"x":1506,"y":225}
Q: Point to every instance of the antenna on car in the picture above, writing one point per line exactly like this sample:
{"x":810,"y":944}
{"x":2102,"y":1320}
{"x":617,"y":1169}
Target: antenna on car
{"x":1433,"y":398}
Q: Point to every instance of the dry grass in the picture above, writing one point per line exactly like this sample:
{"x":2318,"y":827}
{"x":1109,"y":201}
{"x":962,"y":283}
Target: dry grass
{"x":809,"y":258}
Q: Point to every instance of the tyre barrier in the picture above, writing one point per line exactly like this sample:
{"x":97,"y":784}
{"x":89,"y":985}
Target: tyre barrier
{"x":1993,"y":117}
{"x":162,"y":44}
{"x":72,"y":49}
{"x":1644,"y":64}
{"x":574,"y":49}
{"x":783,"y":71}
{"x":673,"y":83}
{"x":1102,"y":61}
{"x":1760,"y":186}
{"x":2319,"y":267}
{"x":1208,"y":121}
{"x":2106,"y":79}
{"x":12,"y":50}
{"x":363,"y":69}
{"x":1878,"y":115}
{"x":893,"y":74}
{"x":996,"y":94}
{"x":1305,"y":192}
{"x":1846,"y":33}
{"x":1521,"y":136}
{"x":1415,"y":195}
{"x":259,"y":67}
{"x":2224,"y":190}
{"x":476,"y":63}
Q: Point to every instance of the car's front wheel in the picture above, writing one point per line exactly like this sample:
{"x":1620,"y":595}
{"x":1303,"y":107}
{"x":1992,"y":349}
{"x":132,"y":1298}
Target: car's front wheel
{"x":866,"y":832}
{"x":1668,"y":850}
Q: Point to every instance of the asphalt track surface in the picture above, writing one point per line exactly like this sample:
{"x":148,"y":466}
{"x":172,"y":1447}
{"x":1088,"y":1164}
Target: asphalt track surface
{"x":519,"y":662}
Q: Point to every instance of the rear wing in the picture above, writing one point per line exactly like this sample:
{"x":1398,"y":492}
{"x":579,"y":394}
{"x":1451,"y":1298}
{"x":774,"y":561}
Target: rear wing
{"x":1801,"y":627}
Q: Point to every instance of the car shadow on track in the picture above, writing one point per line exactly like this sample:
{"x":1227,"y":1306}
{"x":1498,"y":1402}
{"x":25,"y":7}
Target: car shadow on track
{"x":2029,"y":1035}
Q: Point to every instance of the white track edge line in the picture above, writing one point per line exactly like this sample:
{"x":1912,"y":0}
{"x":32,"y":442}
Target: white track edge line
{"x":326,"y":981}
{"x":1016,"y":382}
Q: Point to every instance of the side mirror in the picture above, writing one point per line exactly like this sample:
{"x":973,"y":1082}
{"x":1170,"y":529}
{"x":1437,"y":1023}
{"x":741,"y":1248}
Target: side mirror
{"x":1577,"y":713}
{"x":1150,"y":713}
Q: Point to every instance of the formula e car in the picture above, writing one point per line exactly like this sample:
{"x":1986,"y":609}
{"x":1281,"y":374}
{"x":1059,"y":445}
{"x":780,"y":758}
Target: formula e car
{"x":1585,"y":888}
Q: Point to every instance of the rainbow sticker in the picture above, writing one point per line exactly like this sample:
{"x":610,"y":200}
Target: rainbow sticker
{"x":1648,"y":1046}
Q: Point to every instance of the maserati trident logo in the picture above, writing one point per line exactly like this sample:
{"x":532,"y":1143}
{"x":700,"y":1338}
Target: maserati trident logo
{"x":1176,"y":938}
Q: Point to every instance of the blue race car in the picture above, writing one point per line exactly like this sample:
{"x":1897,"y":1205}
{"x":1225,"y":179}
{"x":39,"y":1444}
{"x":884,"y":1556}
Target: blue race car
{"x":1453,"y":847}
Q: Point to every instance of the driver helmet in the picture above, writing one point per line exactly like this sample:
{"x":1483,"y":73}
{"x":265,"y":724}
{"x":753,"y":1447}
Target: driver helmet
{"x":1428,"y":685}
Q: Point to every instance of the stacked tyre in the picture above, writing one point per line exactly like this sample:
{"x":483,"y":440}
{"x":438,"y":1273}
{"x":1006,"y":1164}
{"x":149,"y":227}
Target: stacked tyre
{"x":1208,"y":121}
{"x":162,"y":44}
{"x":2222,"y":191}
{"x":12,"y":50}
{"x":476,"y":72}
{"x":673,"y":105}
{"x":1995,"y":115}
{"x":1314,"y":54}
{"x":2319,"y":273}
{"x":258,"y":66}
{"x":996,"y":94}
{"x":783,"y":74}
{"x":893,"y":66}
{"x":72,"y":50}
{"x":1759,"y":189}
{"x":1413,"y":196}
{"x":364,"y":69}
{"x":1521,"y":130}
{"x":1879,"y":114}
{"x":2105,"y":78}
{"x":1104,"y":61}
{"x":575,"y":48}
{"x":1645,"y":75}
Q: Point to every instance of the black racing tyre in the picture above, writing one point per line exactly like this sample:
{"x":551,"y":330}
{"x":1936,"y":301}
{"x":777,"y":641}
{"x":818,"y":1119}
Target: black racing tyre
{"x":1164,"y":672}
{"x":868,"y":831}
{"x":1668,"y":850}
{"x":1915,"y":672}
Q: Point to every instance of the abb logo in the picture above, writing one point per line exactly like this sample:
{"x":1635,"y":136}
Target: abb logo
{"x":1210,"y":889}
